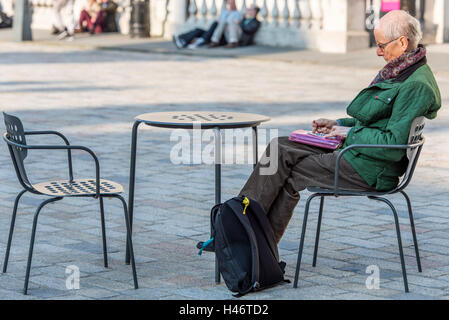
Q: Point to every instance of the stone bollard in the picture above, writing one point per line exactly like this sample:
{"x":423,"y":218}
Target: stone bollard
{"x":22,"y":21}
{"x":140,"y":14}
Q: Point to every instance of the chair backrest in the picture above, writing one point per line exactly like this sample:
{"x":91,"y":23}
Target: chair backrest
{"x":16,"y":133}
{"x":415,"y":136}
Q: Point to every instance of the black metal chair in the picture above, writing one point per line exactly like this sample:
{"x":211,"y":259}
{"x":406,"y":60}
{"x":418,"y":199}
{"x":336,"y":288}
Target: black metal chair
{"x":96,"y":188}
{"x":414,"y":146}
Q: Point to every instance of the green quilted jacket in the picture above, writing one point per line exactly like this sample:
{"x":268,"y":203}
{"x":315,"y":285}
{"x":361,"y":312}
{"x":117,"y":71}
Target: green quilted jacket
{"x":383,"y":114}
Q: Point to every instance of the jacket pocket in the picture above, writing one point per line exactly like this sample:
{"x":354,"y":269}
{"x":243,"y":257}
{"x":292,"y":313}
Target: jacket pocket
{"x":377,"y":106}
{"x":387,"y":96}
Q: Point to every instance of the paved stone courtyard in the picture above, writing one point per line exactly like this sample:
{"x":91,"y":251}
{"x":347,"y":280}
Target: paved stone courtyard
{"x":93,"y":96}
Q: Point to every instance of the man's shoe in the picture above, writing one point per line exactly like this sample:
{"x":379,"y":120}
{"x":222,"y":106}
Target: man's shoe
{"x":54,"y":30}
{"x":213,"y":45}
{"x":209,"y":248}
{"x":64,"y":34}
{"x":198,"y":42}
{"x":231,"y":45}
{"x":178,"y":42}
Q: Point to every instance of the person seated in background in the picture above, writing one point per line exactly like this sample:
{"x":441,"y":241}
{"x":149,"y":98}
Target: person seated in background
{"x":109,"y":9}
{"x":194,"y":38}
{"x":64,"y":28}
{"x":92,"y":18}
{"x":198,"y":37}
{"x":228,"y":25}
{"x":249,"y":27}
{"x":5,"y":20}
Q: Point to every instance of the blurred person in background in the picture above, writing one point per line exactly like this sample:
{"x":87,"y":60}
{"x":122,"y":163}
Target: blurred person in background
{"x":67,"y":29}
{"x":228,"y":25}
{"x":194,"y":38}
{"x":198,"y":37}
{"x":92,"y":18}
{"x":5,"y":20}
{"x":109,"y":9}
{"x":6,"y":15}
{"x":249,"y":27}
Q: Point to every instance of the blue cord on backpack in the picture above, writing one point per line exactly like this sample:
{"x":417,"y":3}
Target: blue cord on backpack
{"x":205,"y":244}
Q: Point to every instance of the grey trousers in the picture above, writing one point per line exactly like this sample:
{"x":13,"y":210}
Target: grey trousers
{"x":58,"y":8}
{"x":298,"y":167}
{"x":231,"y":30}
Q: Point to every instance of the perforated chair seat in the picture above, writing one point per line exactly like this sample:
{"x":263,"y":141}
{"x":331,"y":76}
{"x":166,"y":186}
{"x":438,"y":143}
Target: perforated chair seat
{"x":78,"y":187}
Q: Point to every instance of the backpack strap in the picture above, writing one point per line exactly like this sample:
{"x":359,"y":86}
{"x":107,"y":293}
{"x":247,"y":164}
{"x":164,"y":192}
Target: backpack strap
{"x":235,"y":205}
{"x":205,"y":244}
{"x":213,"y":214}
{"x":256,"y":208}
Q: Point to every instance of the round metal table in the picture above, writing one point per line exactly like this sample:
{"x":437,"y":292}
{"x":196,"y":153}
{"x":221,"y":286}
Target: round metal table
{"x":216,"y":120}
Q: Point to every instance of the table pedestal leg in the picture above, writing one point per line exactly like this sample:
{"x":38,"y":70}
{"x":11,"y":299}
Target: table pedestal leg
{"x":218,"y":158}
{"x":132,"y":180}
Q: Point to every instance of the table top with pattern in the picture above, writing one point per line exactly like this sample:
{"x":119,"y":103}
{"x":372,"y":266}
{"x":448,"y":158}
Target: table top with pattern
{"x":205,"y":119}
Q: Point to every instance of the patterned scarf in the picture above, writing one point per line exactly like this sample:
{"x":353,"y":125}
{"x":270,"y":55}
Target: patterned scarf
{"x":393,"y":68}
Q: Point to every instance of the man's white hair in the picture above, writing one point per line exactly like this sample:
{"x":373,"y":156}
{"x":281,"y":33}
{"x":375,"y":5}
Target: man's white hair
{"x":399,"y":23}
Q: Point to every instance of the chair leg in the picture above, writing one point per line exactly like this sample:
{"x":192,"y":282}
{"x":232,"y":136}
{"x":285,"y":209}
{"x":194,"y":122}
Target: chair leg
{"x":11,"y":230}
{"x":412,"y":226}
{"x":103,"y":233}
{"x":33,"y":234}
{"x":318,"y":229}
{"x":129,"y":239}
{"x":398,"y":233}
{"x":301,"y":244}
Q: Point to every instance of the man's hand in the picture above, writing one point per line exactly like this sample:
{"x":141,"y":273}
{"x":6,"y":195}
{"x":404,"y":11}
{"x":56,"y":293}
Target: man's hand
{"x":338,"y":131}
{"x":323,"y":125}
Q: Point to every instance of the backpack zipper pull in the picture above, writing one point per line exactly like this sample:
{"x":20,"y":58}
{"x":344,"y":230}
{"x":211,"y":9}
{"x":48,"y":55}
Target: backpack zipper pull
{"x":246,"y":203}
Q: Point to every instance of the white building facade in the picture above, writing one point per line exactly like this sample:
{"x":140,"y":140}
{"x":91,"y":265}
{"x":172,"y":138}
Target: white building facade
{"x":324,"y":25}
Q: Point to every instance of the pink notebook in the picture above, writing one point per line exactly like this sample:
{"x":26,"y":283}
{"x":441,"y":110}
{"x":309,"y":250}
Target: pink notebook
{"x":315,"y":139}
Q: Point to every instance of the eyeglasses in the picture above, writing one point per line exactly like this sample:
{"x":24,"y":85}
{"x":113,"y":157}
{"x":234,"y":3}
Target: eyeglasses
{"x":382,"y":46}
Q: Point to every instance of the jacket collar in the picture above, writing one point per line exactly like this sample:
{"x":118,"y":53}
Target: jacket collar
{"x":409,"y":71}
{"x":387,"y":84}
{"x":404,"y":75}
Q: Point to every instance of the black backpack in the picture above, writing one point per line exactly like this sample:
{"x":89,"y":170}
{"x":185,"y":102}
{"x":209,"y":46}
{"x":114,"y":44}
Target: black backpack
{"x":245,"y":246}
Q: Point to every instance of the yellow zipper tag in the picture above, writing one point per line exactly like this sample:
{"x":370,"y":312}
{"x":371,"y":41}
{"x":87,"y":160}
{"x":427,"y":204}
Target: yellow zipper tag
{"x":246,"y":203}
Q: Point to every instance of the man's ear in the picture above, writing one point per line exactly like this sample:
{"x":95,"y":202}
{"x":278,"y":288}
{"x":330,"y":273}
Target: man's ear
{"x":404,"y":43}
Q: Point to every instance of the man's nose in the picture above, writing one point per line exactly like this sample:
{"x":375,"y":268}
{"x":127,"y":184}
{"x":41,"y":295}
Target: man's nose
{"x":380,"y":52}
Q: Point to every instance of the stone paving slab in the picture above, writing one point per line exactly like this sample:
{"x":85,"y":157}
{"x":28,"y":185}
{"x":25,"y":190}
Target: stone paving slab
{"x":93,"y":95}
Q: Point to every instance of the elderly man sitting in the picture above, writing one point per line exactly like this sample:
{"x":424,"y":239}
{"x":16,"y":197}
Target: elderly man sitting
{"x":382,"y":113}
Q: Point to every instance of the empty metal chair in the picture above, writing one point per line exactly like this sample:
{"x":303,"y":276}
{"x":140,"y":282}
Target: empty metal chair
{"x":414,"y":146}
{"x":15,"y":137}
